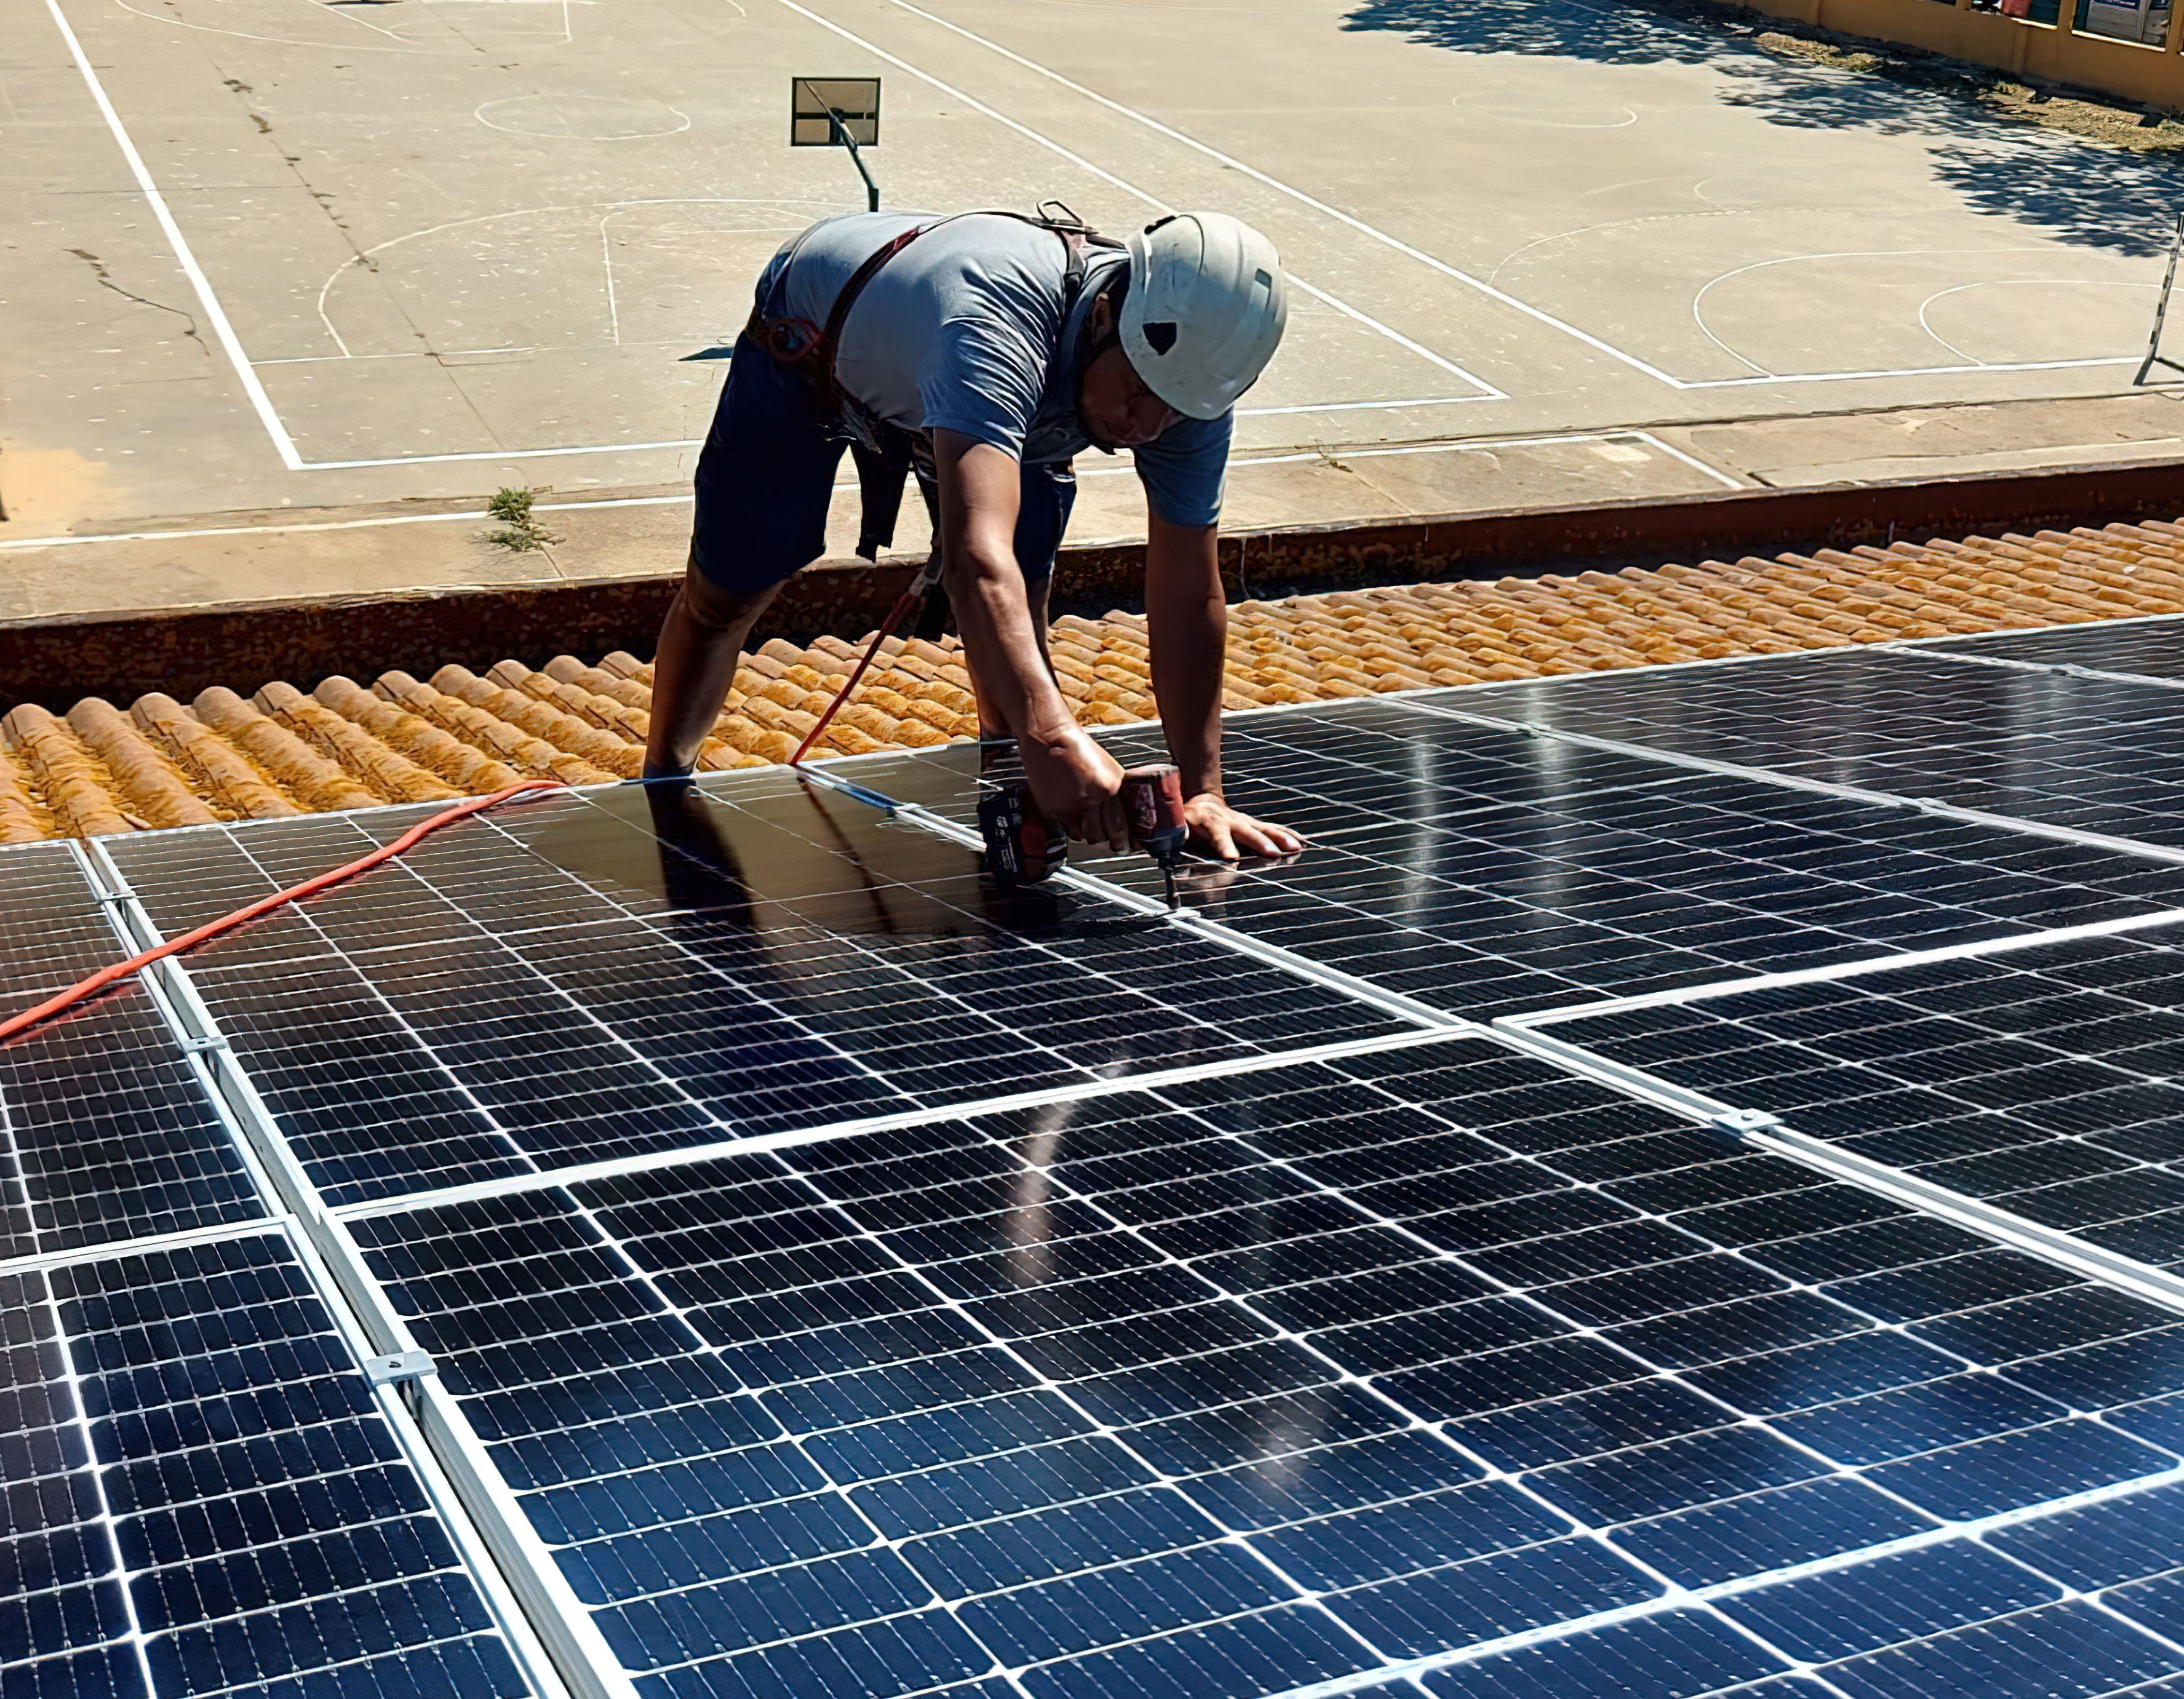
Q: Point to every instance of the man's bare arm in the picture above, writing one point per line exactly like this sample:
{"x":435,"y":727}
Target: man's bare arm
{"x":1187,"y":622}
{"x":1074,"y":781}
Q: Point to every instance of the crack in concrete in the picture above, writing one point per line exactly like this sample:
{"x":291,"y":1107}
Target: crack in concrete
{"x":106,"y":281}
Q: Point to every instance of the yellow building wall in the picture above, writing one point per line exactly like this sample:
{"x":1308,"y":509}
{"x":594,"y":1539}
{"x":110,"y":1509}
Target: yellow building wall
{"x":2151,"y":74}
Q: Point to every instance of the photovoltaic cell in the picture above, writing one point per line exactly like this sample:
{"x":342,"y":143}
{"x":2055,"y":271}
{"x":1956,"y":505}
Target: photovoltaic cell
{"x":1488,"y":873}
{"x":2153,"y":649}
{"x":2045,"y":1080}
{"x":203,"y":1499}
{"x":1239,"y":1386}
{"x":2095,"y":754}
{"x":621,"y":972}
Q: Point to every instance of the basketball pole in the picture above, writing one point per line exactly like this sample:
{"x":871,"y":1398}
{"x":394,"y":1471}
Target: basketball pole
{"x":2161,"y":309}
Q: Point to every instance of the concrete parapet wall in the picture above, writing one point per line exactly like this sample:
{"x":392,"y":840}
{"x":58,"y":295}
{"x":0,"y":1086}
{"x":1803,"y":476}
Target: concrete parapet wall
{"x":183,"y":650}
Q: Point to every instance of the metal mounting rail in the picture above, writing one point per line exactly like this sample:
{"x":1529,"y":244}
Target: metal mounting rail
{"x":549,"y":1633}
{"x":1756,"y":1130}
{"x":1391,"y":1003}
{"x":1972,"y":949}
{"x":1083,"y":1091}
{"x":1878,"y":799}
{"x":2069,"y":668}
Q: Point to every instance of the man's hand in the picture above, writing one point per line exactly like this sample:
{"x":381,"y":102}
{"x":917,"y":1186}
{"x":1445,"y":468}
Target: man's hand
{"x":1077,"y":785}
{"x":1228,"y":834}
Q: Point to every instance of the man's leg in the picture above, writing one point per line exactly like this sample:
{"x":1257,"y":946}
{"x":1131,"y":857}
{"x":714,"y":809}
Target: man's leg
{"x":763,"y":485}
{"x":699,"y":646}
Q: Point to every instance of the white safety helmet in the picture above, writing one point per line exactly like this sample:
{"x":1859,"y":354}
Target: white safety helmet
{"x":1205,"y":310}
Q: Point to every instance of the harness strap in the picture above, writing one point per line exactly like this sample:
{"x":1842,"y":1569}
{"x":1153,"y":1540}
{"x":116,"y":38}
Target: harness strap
{"x":882,"y":466}
{"x":791,"y":340}
{"x":826,"y":390}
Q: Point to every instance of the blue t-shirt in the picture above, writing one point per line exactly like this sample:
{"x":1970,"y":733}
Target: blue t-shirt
{"x":965,"y":330}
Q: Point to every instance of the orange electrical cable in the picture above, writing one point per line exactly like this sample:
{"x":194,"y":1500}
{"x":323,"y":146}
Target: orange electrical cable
{"x":121,"y":970}
{"x":904,"y":603}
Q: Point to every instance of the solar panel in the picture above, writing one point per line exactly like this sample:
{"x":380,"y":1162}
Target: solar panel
{"x":609,"y":974}
{"x":109,"y":1135}
{"x":1431,"y":1363}
{"x":202,"y":1498}
{"x":2045,"y":1079}
{"x":1487,"y":873}
{"x":2151,"y":647}
{"x":2093,"y":755}
{"x":1083,"y":1342}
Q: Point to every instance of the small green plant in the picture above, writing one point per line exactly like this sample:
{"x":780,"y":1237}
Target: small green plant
{"x":520,"y":531}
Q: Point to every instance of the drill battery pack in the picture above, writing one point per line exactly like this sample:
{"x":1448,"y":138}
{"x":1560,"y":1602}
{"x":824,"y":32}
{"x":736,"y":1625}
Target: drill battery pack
{"x":1022,"y":849}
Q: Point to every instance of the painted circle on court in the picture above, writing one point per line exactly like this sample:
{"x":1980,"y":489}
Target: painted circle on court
{"x":582,"y":117}
{"x":1550,"y":117}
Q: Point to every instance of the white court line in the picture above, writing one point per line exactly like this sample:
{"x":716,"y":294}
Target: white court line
{"x":1275,"y":183}
{"x":1698,"y":315}
{"x":1488,"y":392}
{"x":1483,"y":446}
{"x":1441,"y":265}
{"x":2006,"y":282}
{"x":284,"y":444}
{"x":697,"y":441}
{"x":1692,"y":461}
{"x":262,"y":402}
{"x":1908,"y":371}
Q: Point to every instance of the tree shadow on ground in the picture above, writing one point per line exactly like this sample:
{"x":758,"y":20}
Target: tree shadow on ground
{"x":2080,"y":190}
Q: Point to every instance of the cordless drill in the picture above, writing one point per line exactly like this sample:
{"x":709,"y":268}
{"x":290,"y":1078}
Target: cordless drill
{"x":1022,"y":847}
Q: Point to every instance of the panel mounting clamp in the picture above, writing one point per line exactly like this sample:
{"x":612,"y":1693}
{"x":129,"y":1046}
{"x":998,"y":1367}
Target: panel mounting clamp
{"x":399,"y":1368}
{"x":199,"y":1044}
{"x":1739,"y":1124}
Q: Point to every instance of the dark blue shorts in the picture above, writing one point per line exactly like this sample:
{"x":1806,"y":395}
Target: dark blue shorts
{"x":766,"y":475}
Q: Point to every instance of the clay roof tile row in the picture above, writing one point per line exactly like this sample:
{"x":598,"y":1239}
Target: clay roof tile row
{"x":284,"y":751}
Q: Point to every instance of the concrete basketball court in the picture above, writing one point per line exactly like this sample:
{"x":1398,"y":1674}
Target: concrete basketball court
{"x":331,"y":255}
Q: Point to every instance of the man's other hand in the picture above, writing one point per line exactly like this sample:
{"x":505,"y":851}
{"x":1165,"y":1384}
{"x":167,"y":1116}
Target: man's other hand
{"x":1077,"y":785}
{"x":1221,"y":830}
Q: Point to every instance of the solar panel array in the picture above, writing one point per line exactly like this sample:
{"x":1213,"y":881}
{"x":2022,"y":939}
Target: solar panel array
{"x":580,"y":980}
{"x":1489,"y":873}
{"x":2048,"y":1080}
{"x":2147,"y":647}
{"x":842,"y":1277}
{"x":1242,"y":1386}
{"x":2092,"y":754}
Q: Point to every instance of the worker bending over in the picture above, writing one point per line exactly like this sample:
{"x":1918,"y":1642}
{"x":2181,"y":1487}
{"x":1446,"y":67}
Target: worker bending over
{"x":985,"y":351}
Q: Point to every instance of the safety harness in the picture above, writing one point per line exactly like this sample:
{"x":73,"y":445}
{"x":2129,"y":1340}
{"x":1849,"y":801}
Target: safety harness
{"x":886,"y":454}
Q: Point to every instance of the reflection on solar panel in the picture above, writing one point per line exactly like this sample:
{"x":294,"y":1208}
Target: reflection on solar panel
{"x":589,"y":977}
{"x":2097,"y":754}
{"x":2153,"y":648}
{"x":202,"y":1498}
{"x":847,"y":1278}
{"x":1487,"y":873}
{"x":1274,"y":1380}
{"x":2043,"y":1079}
